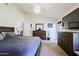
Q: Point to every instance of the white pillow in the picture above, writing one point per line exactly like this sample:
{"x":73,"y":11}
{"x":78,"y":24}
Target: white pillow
{"x":10,"y":34}
{"x":1,"y":36}
{"x":4,"y":33}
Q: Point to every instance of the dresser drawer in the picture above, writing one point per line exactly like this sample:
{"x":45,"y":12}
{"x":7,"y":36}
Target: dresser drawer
{"x":41,"y":34}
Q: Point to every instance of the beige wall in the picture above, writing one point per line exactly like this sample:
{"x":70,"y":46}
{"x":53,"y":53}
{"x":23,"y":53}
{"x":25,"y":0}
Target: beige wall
{"x":11,"y":16}
{"x":33,"y":19}
{"x":69,"y":11}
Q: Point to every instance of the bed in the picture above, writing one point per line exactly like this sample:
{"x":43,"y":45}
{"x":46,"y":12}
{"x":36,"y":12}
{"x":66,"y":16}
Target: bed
{"x":20,"y":45}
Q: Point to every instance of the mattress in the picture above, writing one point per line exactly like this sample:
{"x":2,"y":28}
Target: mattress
{"x":19,"y":45}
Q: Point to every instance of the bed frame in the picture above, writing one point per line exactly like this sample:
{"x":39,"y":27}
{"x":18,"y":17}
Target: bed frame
{"x":39,"y":49}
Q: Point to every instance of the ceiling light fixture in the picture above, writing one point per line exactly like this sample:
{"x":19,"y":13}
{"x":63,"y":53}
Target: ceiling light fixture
{"x":37,"y":8}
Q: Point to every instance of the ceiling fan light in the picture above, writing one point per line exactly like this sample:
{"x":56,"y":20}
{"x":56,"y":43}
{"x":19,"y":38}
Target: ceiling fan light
{"x":37,"y":8}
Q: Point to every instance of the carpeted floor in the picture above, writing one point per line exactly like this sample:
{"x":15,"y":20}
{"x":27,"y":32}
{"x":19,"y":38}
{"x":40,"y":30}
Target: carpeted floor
{"x":51,"y":49}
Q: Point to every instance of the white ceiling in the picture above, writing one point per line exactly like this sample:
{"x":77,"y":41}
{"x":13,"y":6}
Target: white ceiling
{"x":53,"y":10}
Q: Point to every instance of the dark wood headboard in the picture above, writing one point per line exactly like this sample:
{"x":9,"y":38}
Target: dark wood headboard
{"x":6,"y":29}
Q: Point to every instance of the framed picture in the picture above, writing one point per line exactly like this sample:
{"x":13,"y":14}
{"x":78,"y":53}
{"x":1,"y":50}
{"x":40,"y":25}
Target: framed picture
{"x":39,"y":26}
{"x":50,"y":25}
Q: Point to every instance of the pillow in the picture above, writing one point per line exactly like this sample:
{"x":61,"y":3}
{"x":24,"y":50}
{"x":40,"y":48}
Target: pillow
{"x":10,"y":34}
{"x":4,"y":33}
{"x":1,"y":36}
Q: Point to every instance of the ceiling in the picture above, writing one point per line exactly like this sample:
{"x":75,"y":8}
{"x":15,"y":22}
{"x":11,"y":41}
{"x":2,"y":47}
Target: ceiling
{"x":53,"y":10}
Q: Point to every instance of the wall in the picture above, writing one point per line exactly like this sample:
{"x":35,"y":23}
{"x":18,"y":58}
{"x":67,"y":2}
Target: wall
{"x":69,"y":11}
{"x":72,"y":8}
{"x":33,"y":19}
{"x":11,"y":16}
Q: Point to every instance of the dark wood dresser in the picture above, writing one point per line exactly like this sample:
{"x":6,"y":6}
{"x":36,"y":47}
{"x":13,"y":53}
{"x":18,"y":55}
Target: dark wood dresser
{"x":65,"y":41}
{"x":40,"y":33}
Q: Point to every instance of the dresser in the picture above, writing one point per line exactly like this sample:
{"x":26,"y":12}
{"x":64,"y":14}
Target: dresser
{"x":65,"y":41}
{"x":40,"y":33}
